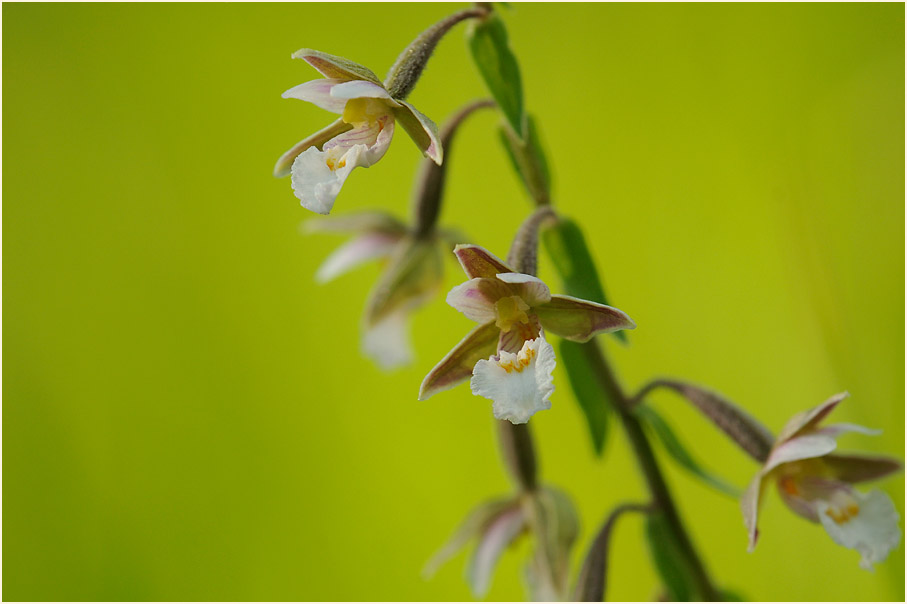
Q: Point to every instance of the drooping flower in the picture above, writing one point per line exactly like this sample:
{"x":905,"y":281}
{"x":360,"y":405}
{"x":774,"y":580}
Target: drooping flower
{"x":322,"y":162}
{"x":512,"y":310}
{"x":818,"y":485}
{"x":412,"y":276}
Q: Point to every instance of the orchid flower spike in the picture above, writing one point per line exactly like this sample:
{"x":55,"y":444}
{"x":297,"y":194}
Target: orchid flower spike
{"x":817,"y":485}
{"x":322,"y":162}
{"x":507,"y":355}
{"x":412,"y":276}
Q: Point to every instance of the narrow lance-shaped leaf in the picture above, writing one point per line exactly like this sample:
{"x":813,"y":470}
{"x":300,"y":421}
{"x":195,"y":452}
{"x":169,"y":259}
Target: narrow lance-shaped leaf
{"x":499,"y":69}
{"x":668,"y":559}
{"x":675,"y":449}
{"x":592,"y":399}
{"x":567,"y":249}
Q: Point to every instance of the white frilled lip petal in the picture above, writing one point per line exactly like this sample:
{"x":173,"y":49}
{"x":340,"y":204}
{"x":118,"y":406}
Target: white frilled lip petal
{"x":318,"y":92}
{"x":801,"y":447}
{"x":531,"y":289}
{"x":873,"y":531}
{"x":517,"y":394}
{"x":359,"y":89}
{"x":316,"y":185}
{"x":356,"y":251}
{"x":387,"y":342}
{"x":476,"y":298}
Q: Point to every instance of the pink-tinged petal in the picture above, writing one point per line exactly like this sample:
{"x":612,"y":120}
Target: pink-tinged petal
{"x":749,"y":505}
{"x":809,"y":419}
{"x":836,"y":430}
{"x":867,"y":523}
{"x":476,"y":298}
{"x":422,"y":130}
{"x":318,"y":92}
{"x":519,"y":384}
{"x":375,"y":138}
{"x":801,"y":447}
{"x":357,"y":222}
{"x":331,"y":66}
{"x":359,"y":89}
{"x":531,"y":289}
{"x":860,"y":468}
{"x":579,"y":320}
{"x":387,"y":343}
{"x":358,"y":250}
{"x":457,"y":366}
{"x":498,"y":535}
{"x":479,"y":262}
{"x":792,"y":494}
{"x":317,"y":140}
{"x":477,"y":520}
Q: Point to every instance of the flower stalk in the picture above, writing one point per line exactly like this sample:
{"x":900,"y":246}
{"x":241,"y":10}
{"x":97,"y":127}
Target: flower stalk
{"x":662,"y":501}
{"x":405,"y":72}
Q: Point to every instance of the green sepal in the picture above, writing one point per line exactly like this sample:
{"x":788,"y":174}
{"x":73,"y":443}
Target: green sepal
{"x":678,"y":452}
{"x":498,"y":67}
{"x":667,"y":557}
{"x":592,"y":399}
{"x":568,"y":251}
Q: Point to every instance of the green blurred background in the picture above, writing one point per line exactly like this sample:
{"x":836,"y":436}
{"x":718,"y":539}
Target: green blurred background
{"x":186,"y":413}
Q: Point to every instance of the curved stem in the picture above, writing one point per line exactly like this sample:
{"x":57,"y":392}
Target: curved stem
{"x":645,"y":457}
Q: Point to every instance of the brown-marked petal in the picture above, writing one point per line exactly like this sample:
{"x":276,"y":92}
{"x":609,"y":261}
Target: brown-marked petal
{"x":331,"y":66}
{"x":479,"y":262}
{"x":422,"y":130}
{"x":457,"y":366}
{"x":579,"y":320}
{"x":749,"y":505}
{"x":860,"y":468}
{"x":497,"y":536}
{"x":282,"y":168}
{"x":809,"y":419}
{"x":476,"y":297}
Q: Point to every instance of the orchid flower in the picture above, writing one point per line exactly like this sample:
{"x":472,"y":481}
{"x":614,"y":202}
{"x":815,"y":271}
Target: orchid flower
{"x":507,"y":355}
{"x":412,"y":276}
{"x":322,"y":162}
{"x":817,"y":485}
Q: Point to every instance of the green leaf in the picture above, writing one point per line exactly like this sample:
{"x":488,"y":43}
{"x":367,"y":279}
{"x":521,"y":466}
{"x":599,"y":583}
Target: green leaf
{"x":568,"y":251}
{"x":529,"y":161}
{"x":675,"y":449}
{"x":668,"y":559}
{"x":592,"y":399}
{"x":498,"y":66}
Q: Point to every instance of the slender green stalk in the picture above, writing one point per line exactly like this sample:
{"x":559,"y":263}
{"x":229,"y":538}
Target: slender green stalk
{"x":658,"y":488}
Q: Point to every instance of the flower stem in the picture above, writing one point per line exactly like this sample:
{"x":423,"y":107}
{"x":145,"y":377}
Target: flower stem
{"x":645,"y":457}
{"x":406,"y":70}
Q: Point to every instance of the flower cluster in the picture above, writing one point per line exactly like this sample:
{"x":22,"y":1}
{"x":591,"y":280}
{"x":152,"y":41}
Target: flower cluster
{"x":321,"y":163}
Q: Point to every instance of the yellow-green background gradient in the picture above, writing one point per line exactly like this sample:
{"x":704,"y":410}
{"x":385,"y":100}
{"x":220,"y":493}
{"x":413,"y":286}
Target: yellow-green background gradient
{"x":186,"y":413}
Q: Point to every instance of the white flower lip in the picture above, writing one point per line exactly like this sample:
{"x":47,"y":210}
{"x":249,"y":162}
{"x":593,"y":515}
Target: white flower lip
{"x":520,"y":384}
